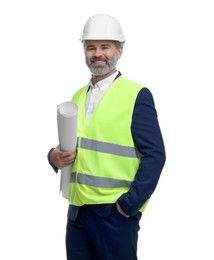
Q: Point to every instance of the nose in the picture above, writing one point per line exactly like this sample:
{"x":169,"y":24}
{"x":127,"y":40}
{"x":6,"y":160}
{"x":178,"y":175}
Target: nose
{"x":98,"y":52}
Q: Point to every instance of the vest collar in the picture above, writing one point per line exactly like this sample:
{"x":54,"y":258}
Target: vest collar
{"x":107,"y":81}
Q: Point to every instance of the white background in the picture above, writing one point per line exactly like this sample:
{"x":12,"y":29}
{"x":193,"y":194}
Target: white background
{"x":169,"y":49}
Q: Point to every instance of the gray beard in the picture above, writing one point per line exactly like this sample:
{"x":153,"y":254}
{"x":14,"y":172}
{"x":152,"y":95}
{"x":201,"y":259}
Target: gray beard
{"x":102,"y":71}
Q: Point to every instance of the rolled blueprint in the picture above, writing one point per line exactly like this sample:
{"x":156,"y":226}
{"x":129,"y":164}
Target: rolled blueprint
{"x":67,"y":134}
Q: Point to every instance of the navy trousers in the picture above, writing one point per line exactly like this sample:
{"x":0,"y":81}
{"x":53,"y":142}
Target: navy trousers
{"x":100,"y":232}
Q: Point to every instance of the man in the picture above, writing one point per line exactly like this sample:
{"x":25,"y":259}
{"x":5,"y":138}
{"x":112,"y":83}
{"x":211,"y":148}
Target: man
{"x":120,"y":152}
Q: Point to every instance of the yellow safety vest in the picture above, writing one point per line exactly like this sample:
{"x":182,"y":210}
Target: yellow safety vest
{"x":107,"y":159}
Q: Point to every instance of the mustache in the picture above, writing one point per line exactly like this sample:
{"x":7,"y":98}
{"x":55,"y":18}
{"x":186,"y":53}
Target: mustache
{"x":97,"y":59}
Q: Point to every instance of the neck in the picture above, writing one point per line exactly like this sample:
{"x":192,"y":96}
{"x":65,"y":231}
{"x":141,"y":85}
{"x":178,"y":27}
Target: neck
{"x":98,"y":78}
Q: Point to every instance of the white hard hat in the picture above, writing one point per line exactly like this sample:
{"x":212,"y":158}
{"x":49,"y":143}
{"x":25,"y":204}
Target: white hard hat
{"x":102,"y":27}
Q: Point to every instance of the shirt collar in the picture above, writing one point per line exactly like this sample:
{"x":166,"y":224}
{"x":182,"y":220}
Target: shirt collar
{"x":105,"y":82}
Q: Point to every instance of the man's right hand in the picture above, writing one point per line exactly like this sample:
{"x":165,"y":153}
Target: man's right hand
{"x":61,"y":159}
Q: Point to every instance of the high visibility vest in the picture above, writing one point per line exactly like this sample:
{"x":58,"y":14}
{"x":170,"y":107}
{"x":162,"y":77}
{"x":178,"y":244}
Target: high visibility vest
{"x":107,"y":159}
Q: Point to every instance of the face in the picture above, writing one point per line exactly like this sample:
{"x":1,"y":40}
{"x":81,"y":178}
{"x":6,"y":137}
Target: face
{"x":101,"y":56}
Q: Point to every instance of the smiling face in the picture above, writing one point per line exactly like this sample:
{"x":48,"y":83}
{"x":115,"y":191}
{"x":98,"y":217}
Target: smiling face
{"x":101,"y":57}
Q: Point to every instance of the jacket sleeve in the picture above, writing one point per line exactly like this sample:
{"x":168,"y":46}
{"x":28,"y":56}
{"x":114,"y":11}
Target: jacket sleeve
{"x":148,"y":139}
{"x":48,"y":156}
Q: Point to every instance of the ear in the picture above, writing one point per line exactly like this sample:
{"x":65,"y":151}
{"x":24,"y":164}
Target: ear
{"x":120,"y":52}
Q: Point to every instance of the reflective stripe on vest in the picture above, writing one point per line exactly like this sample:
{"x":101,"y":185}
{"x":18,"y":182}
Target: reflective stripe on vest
{"x":100,"y":182}
{"x":110,"y":148}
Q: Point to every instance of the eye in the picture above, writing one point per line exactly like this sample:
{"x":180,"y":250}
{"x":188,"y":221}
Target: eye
{"x":105,"y":47}
{"x":90,"y":48}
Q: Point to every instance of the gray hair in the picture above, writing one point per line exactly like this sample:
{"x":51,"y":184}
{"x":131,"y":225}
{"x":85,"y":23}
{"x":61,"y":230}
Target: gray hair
{"x":119,"y":45}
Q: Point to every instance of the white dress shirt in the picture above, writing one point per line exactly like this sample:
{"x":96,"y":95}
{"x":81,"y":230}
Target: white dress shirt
{"x":95,"y":94}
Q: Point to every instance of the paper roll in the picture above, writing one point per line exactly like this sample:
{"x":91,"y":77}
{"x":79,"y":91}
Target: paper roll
{"x":67,"y":133}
